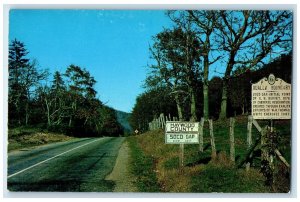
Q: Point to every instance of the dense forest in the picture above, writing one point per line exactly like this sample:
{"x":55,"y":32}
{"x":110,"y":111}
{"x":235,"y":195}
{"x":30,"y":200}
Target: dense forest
{"x":63,"y":102}
{"x":240,"y":47}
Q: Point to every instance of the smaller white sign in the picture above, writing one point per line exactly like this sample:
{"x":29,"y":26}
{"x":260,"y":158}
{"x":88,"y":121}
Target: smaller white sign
{"x":181,"y":138}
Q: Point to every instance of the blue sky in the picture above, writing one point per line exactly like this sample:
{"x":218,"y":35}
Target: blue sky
{"x":112,"y":45}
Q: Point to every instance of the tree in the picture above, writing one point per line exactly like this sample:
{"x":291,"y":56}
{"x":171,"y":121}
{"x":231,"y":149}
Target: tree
{"x":31,"y":80}
{"x":57,"y":93}
{"x":177,"y":66}
{"x":203,"y":24}
{"x":80,"y":91}
{"x":110,"y":125}
{"x":239,"y":93}
{"x":151,"y":104}
{"x":54,"y":99}
{"x":17,"y":64}
{"x":24,"y":78}
{"x":247,"y":37}
{"x":214,"y":93}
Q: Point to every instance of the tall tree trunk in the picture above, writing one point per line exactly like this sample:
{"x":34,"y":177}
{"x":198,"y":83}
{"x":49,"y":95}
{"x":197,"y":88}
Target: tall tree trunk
{"x":26,"y":113}
{"x":193,"y":105}
{"x":70,"y":121}
{"x":27,"y":106}
{"x":18,"y":111}
{"x":48,"y":112}
{"x":205,"y":89}
{"x":179,"y":108}
{"x":224,"y":101}
{"x":229,"y":68}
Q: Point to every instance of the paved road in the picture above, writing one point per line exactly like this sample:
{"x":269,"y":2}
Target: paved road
{"x":73,"y":166}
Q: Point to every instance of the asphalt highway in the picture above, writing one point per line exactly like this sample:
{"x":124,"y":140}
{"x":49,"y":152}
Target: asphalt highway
{"x":78,"y":165}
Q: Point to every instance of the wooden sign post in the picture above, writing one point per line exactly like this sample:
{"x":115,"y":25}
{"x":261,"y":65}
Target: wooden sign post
{"x":179,"y":132}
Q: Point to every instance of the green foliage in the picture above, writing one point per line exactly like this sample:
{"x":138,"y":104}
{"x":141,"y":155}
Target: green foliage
{"x":149,"y":105}
{"x":177,"y":67}
{"x":141,"y":166}
{"x":109,"y":123}
{"x":24,"y":79}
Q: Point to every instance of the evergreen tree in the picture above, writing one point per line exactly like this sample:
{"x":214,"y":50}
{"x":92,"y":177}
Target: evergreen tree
{"x":17,"y":65}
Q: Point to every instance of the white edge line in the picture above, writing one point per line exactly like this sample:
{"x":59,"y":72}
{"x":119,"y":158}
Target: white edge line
{"x":21,"y":171}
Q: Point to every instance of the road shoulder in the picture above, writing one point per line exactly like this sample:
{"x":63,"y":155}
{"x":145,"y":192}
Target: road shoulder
{"x":121,"y":174}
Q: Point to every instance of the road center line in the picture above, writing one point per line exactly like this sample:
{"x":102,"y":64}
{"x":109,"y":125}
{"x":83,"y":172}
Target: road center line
{"x":21,"y":171}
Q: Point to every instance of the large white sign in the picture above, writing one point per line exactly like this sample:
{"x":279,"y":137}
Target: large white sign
{"x":177,"y":132}
{"x":271,"y":99}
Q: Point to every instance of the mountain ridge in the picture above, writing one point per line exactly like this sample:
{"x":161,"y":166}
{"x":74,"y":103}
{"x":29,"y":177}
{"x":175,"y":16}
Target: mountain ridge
{"x":122,"y":118}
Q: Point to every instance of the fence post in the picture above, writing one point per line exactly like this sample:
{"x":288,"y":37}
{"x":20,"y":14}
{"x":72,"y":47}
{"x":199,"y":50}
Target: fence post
{"x":249,"y":130}
{"x":159,"y":122}
{"x":249,"y":138}
{"x":201,"y":134}
{"x":212,"y":139}
{"x":231,"y":137}
{"x":162,"y":119}
{"x":264,"y":151}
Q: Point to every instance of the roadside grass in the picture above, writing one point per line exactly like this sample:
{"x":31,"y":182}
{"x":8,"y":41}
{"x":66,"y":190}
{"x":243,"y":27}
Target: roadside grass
{"x":201,"y":174}
{"x":23,"y":137}
{"x":141,"y":166}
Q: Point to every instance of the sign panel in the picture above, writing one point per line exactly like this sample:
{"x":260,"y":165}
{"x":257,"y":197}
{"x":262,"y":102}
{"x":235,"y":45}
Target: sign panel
{"x":181,"y":138}
{"x":271,"y":99}
{"x":178,"y":132}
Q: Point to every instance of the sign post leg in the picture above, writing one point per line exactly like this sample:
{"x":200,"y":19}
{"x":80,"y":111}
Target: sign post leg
{"x":201,"y":135}
{"x":271,"y":125}
{"x":181,"y":157}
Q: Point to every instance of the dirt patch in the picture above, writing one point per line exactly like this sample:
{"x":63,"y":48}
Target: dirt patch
{"x":120,"y":174}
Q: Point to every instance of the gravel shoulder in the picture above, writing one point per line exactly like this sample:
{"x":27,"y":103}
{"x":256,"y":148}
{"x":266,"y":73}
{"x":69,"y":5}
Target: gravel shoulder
{"x":121,"y":174}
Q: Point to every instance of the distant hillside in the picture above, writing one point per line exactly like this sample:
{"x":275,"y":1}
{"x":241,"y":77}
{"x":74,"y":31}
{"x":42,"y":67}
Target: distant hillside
{"x":122,"y":118}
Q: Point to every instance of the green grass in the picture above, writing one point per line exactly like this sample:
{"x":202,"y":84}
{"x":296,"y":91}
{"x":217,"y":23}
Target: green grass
{"x":141,"y":166}
{"x":228,"y":180}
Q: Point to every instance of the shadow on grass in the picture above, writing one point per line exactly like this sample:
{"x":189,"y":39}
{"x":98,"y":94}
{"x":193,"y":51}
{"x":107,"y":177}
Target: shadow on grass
{"x":205,"y":160}
{"x":206,"y":147}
